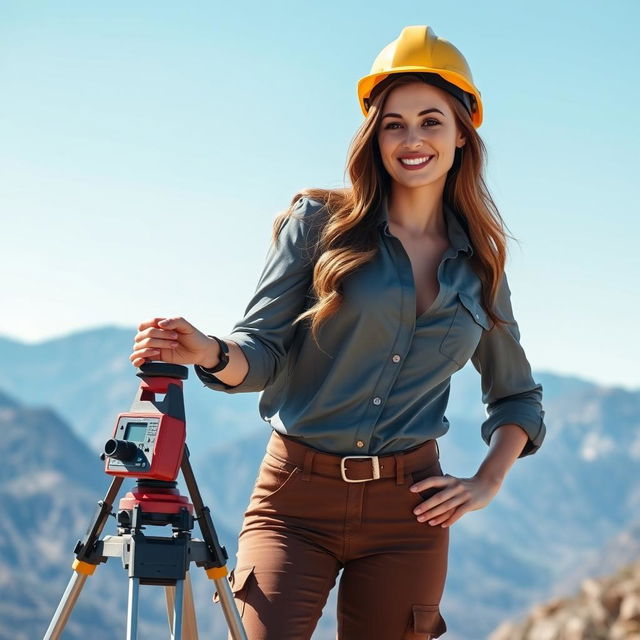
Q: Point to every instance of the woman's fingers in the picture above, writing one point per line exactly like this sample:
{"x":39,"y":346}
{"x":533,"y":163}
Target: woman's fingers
{"x":149,"y":323}
{"x":446,"y":519}
{"x":442,"y":509}
{"x":152,"y":337}
{"x":156,"y":342}
{"x":438,"y":508}
{"x":177,"y":324}
{"x":140,"y":356}
{"x":144,"y":338}
{"x":167,"y":339}
{"x":152,"y":332}
{"x":431,"y":481}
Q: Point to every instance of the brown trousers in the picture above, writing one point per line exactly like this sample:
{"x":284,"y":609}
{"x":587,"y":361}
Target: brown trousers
{"x":304,"y":523}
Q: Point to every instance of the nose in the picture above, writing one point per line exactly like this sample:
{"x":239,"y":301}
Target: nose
{"x":413,"y":138}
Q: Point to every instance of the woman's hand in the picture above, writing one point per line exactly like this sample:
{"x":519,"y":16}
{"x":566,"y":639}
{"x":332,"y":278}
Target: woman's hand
{"x":455,"y":498}
{"x":173,"y":340}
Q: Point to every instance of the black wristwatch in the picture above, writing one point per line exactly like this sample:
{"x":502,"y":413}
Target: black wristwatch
{"x":224,"y":357}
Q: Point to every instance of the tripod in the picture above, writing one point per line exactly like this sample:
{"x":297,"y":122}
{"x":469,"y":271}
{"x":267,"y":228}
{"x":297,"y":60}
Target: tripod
{"x":144,"y":446}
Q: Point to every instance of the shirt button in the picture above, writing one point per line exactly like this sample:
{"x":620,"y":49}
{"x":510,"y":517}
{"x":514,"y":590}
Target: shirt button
{"x":396,"y":358}
{"x":377,"y":400}
{"x":360,"y":444}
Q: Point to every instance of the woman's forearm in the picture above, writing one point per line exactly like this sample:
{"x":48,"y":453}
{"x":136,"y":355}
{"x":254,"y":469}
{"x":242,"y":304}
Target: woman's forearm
{"x":237,"y":367}
{"x":507,"y":443}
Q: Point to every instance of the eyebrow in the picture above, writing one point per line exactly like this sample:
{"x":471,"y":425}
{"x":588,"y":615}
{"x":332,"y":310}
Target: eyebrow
{"x":397,"y":115}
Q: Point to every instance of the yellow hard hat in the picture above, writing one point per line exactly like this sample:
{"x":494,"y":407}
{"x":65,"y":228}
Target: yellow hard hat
{"x":417,"y":49}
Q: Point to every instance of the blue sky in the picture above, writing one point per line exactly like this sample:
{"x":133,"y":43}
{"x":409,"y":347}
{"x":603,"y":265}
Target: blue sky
{"x":147,"y":147}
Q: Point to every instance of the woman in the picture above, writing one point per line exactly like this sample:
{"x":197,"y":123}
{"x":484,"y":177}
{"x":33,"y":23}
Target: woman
{"x":370,"y":299}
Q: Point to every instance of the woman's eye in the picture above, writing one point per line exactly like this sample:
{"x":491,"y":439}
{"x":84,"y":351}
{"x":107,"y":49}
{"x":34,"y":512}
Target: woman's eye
{"x":431,"y":121}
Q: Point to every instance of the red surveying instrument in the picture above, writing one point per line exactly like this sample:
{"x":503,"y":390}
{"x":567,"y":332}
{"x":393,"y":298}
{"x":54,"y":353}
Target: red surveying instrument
{"x":149,"y":443}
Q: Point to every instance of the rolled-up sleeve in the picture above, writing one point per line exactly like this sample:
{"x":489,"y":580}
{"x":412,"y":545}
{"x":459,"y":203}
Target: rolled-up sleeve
{"x":508,"y":389}
{"x":266,"y":330}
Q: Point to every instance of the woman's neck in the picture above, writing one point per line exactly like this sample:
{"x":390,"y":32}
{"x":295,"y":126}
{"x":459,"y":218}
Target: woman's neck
{"x":418,"y":211}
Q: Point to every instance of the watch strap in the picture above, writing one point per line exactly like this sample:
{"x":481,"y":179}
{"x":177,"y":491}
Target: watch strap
{"x":224,"y":357}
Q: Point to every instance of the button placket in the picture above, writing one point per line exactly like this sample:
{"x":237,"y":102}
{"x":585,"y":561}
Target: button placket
{"x":387,"y":378}
{"x":404,"y":337}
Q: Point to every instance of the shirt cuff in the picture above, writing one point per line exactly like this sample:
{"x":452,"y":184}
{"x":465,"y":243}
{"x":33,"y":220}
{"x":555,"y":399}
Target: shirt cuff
{"x":253,"y":381}
{"x":529,"y":418}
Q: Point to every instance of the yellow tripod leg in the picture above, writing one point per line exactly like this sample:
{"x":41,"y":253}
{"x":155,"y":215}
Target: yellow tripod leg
{"x":66,"y":605}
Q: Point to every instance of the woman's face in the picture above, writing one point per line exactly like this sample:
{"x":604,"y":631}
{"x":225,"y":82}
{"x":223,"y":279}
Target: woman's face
{"x":418,"y":135}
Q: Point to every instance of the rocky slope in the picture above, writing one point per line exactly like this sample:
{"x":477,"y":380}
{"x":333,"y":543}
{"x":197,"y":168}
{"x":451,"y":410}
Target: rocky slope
{"x":604,"y":608}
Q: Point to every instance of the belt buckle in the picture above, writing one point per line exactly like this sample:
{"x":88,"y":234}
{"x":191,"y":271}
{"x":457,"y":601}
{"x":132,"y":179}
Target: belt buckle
{"x":375,"y":465}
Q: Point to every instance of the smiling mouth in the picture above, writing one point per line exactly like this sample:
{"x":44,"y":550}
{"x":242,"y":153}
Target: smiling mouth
{"x":415,"y":163}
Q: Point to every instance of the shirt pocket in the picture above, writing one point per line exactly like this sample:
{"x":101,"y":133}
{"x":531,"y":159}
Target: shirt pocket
{"x":464,"y":333}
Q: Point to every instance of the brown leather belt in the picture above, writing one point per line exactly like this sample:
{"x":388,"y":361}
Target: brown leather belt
{"x":352,"y":468}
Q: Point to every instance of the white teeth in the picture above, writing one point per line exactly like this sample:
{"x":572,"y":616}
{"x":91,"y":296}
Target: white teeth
{"x":414,"y":160}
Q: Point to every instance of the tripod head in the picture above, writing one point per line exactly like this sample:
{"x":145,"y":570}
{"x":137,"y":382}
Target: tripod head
{"x":148,"y":441}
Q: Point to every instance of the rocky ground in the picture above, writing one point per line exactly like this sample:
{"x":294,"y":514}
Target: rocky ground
{"x":605,"y":608}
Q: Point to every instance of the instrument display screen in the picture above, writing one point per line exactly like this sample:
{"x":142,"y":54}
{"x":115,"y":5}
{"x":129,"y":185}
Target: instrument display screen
{"x":136,"y":431}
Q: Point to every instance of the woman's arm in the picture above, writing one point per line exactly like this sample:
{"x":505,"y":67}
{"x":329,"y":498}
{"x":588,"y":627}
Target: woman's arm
{"x":457,"y":496}
{"x":507,"y":443}
{"x":514,"y":427}
{"x":509,"y":391}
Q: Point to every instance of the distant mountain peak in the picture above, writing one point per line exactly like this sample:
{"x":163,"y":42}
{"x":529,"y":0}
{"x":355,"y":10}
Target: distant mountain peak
{"x":8,"y":402}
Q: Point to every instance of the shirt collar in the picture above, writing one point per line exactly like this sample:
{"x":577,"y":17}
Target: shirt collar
{"x":457,"y":235}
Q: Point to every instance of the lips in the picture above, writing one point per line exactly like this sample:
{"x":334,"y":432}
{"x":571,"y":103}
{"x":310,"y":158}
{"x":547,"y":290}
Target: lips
{"x":413,"y":163}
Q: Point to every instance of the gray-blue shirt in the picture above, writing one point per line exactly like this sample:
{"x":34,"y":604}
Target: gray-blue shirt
{"x":380,"y":382}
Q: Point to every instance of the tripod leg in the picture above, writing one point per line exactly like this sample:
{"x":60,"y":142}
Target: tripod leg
{"x":132,"y":609}
{"x":189,"y":611}
{"x":67,"y":603}
{"x":189,"y":624}
{"x":218,"y":571}
{"x":84,"y":565}
{"x":234,"y":620}
{"x":176,"y":632}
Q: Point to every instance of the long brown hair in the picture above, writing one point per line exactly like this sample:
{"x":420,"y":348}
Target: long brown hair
{"x":349,"y":238}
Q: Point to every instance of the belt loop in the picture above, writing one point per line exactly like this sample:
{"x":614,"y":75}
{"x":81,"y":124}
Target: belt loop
{"x":399,"y":468}
{"x":308,"y":464}
{"x":437,"y":447}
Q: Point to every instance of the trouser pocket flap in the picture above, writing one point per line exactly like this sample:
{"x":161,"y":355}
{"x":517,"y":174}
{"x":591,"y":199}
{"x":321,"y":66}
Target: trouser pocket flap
{"x":427,"y":619}
{"x":237,"y":579}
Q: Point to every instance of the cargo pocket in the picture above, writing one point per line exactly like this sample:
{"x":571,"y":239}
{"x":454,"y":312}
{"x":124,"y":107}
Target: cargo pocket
{"x":239,"y":581}
{"x":427,"y":622}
